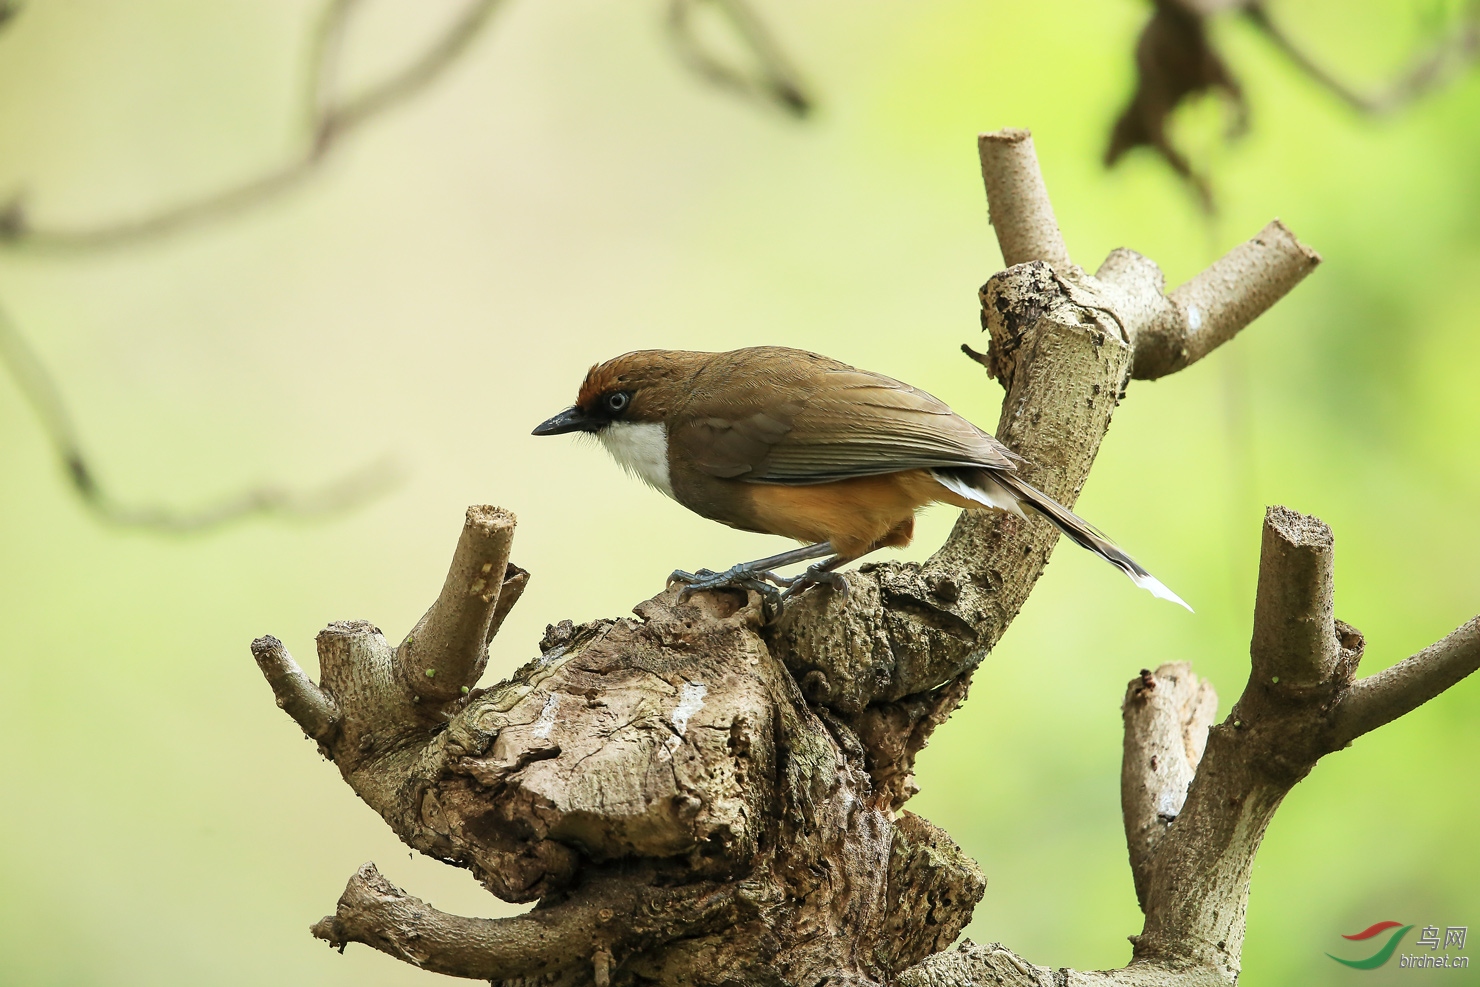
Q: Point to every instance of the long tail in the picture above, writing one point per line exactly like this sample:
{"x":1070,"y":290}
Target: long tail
{"x":1006,"y":491}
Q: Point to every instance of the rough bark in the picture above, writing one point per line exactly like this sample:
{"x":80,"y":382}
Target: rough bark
{"x":695,"y":796}
{"x":1191,"y":859}
{"x":1167,"y":715}
{"x":1020,"y":208}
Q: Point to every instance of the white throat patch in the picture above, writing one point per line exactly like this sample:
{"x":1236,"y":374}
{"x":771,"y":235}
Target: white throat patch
{"x":642,"y":449}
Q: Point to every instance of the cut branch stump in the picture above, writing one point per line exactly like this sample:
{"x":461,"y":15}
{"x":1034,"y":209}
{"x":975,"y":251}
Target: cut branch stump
{"x":694,"y":796}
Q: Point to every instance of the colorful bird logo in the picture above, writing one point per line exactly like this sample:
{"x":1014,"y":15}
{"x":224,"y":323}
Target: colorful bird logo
{"x":1384,"y":954}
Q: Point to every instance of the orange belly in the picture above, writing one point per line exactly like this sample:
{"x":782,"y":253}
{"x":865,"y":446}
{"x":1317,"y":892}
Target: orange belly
{"x":857,"y":515}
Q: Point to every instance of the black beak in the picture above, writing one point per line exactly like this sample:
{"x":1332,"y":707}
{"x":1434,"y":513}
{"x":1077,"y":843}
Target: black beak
{"x":569,"y":420}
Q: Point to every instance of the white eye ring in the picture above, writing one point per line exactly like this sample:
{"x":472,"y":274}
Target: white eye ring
{"x":616,"y":402}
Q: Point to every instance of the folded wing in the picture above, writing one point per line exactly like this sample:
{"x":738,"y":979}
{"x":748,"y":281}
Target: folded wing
{"x":806,"y":419}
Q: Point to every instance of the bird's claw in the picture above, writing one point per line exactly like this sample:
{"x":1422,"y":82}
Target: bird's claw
{"x":774,"y":588}
{"x":738,"y":577}
{"x":688,"y":578}
{"x":816,"y":576}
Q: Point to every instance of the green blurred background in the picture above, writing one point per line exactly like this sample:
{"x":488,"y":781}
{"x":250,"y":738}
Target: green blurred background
{"x":568,"y":192}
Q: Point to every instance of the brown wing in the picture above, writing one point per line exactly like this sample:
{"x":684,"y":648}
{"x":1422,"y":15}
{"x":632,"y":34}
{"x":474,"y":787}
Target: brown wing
{"x":773,"y":415}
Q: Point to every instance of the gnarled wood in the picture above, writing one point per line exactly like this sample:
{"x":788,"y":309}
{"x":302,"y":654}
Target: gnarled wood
{"x":694,"y":796}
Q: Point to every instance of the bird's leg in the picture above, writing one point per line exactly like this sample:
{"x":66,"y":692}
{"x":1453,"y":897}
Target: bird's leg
{"x":821,"y":574}
{"x":755,"y":575}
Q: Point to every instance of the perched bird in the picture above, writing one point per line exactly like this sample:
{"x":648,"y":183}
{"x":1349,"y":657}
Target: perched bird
{"x":791,"y":443}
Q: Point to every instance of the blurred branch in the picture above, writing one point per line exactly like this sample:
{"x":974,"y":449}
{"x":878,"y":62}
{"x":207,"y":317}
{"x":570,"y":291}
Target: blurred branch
{"x":1177,"y":60}
{"x":1428,"y":72}
{"x":773,"y":79}
{"x":420,"y":72}
{"x":41,"y":391}
{"x":331,"y":118}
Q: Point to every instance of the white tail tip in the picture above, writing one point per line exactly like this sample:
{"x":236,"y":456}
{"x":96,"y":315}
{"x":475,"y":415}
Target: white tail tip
{"x":1158,"y":589}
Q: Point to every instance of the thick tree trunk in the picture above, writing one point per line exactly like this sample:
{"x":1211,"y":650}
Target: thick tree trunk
{"x":696,"y":797}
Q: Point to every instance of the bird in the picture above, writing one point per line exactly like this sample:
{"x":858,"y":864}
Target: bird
{"x":788,"y":442}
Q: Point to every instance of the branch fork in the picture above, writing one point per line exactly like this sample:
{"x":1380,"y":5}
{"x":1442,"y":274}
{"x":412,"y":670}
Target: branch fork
{"x":696,"y":796}
{"x":1064,"y":344}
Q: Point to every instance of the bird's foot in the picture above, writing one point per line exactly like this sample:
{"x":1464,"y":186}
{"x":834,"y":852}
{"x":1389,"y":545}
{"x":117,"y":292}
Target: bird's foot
{"x":817,"y":575}
{"x":736,"y":577}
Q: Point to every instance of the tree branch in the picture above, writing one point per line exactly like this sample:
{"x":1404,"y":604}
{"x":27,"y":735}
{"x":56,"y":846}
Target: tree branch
{"x":1192,"y":861}
{"x":907,"y":628}
{"x":516,"y":580}
{"x":1294,"y":622}
{"x":1017,"y":201}
{"x":1209,"y":310}
{"x":1286,"y":720}
{"x":414,"y":77}
{"x":330,"y":122}
{"x":42,"y":393}
{"x":1428,"y":72}
{"x":1177,"y":59}
{"x":693,"y":749}
{"x":446,"y":652}
{"x":773,"y":78}
{"x":1382,"y":698}
{"x":621,"y":774}
{"x":619,"y":912}
{"x":296,"y":693}
{"x":1167,"y":715}
{"x":1061,"y":343}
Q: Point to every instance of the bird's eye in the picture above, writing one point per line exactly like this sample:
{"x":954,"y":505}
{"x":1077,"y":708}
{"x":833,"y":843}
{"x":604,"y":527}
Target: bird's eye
{"x":617,"y":401}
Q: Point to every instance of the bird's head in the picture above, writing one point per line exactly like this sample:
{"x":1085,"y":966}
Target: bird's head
{"x":641,"y":387}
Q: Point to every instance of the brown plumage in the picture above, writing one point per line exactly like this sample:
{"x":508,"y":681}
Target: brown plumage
{"x":787,"y":442}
